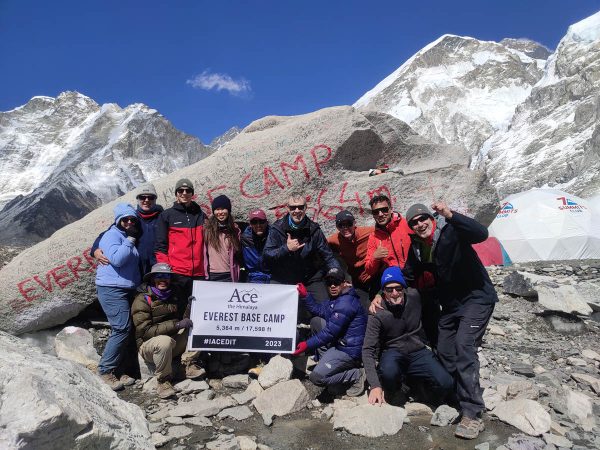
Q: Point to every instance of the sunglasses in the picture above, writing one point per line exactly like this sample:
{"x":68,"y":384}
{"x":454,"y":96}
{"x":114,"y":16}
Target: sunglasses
{"x":185,"y":191}
{"x":416,"y":220}
{"x":129,"y":219}
{"x":162,"y":276}
{"x":257,"y":222}
{"x":296,"y":207}
{"x":145,"y":198}
{"x":333,"y":282}
{"x":389,"y":290}
{"x":383,"y":210}
{"x":345,"y":224}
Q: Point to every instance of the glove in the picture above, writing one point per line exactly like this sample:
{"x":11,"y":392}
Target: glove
{"x":191,"y":299}
{"x":184,"y":323}
{"x":133,"y":231}
{"x":302,"y":292}
{"x":300,"y":348}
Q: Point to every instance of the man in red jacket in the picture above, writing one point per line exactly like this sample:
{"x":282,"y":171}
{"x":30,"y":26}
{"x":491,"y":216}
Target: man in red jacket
{"x":179,"y":240}
{"x":350,"y":244}
{"x":390,"y":242}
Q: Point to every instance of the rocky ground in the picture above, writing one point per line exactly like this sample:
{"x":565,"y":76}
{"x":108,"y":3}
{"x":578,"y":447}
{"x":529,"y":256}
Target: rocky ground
{"x":539,"y":368}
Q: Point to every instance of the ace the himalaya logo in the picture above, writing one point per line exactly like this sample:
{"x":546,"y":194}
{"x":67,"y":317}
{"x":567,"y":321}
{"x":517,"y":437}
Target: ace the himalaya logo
{"x":505,"y":210}
{"x":567,"y":203}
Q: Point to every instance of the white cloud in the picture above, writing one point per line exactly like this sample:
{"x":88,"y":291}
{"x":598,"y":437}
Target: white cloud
{"x":220,"y":82}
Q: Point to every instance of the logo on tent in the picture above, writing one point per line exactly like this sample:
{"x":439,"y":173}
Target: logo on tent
{"x":506,"y":209}
{"x":567,"y":203}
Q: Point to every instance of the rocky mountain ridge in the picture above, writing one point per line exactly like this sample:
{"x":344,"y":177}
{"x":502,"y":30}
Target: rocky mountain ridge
{"x":529,"y":117}
{"x":62,"y":157}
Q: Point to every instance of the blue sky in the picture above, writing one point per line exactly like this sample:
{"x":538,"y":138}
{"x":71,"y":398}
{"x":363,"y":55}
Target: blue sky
{"x":207,"y":66}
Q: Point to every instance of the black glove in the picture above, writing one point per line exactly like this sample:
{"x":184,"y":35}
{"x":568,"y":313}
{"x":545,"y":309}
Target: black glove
{"x":133,"y":231}
{"x":184,"y":323}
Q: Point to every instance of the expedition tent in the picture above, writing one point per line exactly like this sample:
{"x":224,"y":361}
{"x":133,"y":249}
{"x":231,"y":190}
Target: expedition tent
{"x":547,"y":224}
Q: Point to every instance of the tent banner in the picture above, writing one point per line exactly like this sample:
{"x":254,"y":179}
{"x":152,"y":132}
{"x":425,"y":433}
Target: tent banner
{"x":241,"y":317}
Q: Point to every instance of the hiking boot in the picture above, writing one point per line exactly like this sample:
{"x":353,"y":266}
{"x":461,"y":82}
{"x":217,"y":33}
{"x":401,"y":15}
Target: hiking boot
{"x":112,"y":381}
{"x":359,"y":385}
{"x":126,"y":380}
{"x":165,"y":389}
{"x":194,"y":371}
{"x":254,"y":372}
{"x":469,"y":428}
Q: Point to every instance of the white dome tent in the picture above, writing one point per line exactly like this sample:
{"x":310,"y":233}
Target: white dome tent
{"x":547,"y":224}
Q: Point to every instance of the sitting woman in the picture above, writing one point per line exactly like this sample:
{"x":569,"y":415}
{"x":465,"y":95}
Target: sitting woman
{"x":115,"y":287}
{"x":222,"y":247}
{"x":162,"y":324}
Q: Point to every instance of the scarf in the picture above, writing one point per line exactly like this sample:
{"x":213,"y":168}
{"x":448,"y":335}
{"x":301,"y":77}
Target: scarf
{"x":294,"y":226}
{"x":148,"y":215}
{"x":163,"y":296}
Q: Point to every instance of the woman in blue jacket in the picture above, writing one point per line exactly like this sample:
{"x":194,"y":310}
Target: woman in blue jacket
{"x":115,"y":286}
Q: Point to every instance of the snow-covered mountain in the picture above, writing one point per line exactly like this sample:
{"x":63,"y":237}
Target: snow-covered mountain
{"x":460,"y":90}
{"x":223,"y":139}
{"x":554,"y":137}
{"x":62,"y":157}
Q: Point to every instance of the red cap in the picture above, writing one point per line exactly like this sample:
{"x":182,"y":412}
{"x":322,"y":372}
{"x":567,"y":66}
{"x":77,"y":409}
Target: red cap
{"x":257,"y":214}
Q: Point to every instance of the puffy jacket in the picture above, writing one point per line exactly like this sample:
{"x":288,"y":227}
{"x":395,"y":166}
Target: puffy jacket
{"x":457,"y":270}
{"x":234,"y":265}
{"x":123,"y":270}
{"x":179,"y":240}
{"x":395,"y":236}
{"x":252,"y":250}
{"x":346,"y":323}
{"x":299,"y":266}
{"x":396,"y":327}
{"x":153,"y":317}
{"x":145,"y":243}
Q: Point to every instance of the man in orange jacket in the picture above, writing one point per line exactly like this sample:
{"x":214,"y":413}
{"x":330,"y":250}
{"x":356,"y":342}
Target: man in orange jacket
{"x":350,"y":244}
{"x":390,"y":242}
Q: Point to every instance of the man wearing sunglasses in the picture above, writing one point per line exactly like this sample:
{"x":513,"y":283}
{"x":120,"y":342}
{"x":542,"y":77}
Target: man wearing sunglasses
{"x":392,"y":337}
{"x":179,"y":239}
{"x":388,"y":245}
{"x":350,"y":244}
{"x":338,"y":331}
{"x":442,"y":258}
{"x":297,"y":252}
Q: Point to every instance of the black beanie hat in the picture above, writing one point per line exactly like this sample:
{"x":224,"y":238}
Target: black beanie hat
{"x":222,"y":201}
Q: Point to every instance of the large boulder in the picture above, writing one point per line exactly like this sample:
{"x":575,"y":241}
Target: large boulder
{"x":526,"y":415}
{"x":52,"y":403}
{"x":325,"y":154}
{"x":281,"y":400}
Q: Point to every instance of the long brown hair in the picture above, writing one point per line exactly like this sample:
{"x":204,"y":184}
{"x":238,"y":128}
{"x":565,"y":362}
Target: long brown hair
{"x":212,"y":230}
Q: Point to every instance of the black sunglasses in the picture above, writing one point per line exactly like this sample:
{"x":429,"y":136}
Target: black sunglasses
{"x":389,"y":290}
{"x":415,"y":220}
{"x":333,"y":282}
{"x":345,"y":224}
{"x":384,"y":210}
{"x":296,"y":207}
{"x":257,"y":222}
{"x":129,"y":219}
{"x":146,"y":197}
{"x":185,"y":191}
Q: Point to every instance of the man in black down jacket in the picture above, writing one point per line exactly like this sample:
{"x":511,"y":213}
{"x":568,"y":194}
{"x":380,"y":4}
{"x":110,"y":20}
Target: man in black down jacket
{"x":441,"y":251}
{"x":297,"y":252}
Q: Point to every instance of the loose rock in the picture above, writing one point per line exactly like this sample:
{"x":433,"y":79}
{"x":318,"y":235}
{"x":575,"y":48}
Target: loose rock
{"x":77,"y":345}
{"x":444,"y":415}
{"x":526,"y":415}
{"x":278,"y":369}
{"x":369,"y":420}
{"x":236,"y":413}
{"x":282,"y":399}
{"x":236,"y":381}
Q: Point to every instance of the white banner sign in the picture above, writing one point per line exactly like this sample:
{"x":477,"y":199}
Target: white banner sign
{"x":241,"y":317}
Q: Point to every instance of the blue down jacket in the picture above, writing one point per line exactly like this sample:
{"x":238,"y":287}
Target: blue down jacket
{"x":346,"y":323}
{"x":252,"y":249}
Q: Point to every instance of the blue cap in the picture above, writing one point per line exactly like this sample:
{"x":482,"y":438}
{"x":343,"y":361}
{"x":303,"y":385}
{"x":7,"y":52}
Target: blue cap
{"x":391,"y":275}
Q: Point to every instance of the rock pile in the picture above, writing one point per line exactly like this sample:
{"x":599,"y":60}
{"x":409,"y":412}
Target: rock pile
{"x":540,"y":383}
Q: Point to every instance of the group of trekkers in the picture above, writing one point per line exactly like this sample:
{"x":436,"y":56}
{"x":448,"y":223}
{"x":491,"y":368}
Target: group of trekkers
{"x":405,"y":302}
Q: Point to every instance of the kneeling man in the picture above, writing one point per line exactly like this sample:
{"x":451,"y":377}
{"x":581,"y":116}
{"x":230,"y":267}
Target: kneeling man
{"x":161,"y":328}
{"x":338,"y":333}
{"x":393,"y":332}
